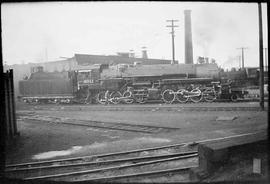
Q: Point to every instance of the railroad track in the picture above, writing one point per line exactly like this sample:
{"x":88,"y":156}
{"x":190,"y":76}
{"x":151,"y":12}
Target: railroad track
{"x":206,"y":106}
{"x":218,"y":109}
{"x":113,"y":166}
{"x":173,"y":108}
{"x":179,"y":108}
{"x":99,"y":124}
{"x":133,"y":165}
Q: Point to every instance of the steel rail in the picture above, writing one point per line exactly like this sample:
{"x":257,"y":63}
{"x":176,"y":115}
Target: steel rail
{"x":100,"y":122}
{"x":141,"y":174}
{"x":131,"y":151}
{"x":109,"y":125}
{"x":96,"y":126}
{"x":227,"y":137}
{"x":101,"y":162}
{"x":112,"y":168}
{"x":96,"y":156}
{"x":128,"y":125}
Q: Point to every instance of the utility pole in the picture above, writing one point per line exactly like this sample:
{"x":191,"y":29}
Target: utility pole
{"x":46,"y":54}
{"x":261,"y":57}
{"x":239,"y":57}
{"x":172,"y":26}
{"x":2,"y":116}
{"x":265,"y":58}
{"x":243,"y":48}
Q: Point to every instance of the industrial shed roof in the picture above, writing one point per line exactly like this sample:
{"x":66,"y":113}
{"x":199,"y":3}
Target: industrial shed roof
{"x":87,"y":67}
{"x":83,"y":59}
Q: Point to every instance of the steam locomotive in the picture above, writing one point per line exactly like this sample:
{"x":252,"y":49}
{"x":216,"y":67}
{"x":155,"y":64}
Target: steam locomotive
{"x":124,"y":83}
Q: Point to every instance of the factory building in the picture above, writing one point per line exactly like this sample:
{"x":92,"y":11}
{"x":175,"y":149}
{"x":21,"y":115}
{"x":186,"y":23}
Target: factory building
{"x":85,"y":59}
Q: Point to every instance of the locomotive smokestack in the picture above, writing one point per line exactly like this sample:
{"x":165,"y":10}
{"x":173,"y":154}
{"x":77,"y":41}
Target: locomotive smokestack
{"x":188,"y":38}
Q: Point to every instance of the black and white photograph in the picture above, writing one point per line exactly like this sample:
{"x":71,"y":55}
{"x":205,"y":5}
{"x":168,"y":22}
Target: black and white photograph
{"x":134,"y":92}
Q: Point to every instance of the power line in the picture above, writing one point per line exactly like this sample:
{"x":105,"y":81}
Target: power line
{"x":173,"y":35}
{"x":243,"y":48}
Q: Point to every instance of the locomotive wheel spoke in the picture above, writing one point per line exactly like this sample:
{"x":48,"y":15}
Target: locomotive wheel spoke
{"x":130,"y":99}
{"x":196,"y":98}
{"x":168,"y":96}
{"x":101,"y":97}
{"x":209,"y":95}
{"x":114,"y":97}
{"x":181,"y":97}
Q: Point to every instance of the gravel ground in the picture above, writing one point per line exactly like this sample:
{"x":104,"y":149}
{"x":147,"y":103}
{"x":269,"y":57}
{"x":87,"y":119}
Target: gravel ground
{"x":41,"y":140}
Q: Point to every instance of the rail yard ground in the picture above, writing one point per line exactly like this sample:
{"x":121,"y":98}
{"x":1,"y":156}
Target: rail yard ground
{"x":50,"y":131}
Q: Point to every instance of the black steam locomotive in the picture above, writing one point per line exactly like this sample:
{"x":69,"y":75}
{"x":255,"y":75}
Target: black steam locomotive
{"x":128,"y":84}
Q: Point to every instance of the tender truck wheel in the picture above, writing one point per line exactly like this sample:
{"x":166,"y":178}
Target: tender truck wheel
{"x":234,"y":97}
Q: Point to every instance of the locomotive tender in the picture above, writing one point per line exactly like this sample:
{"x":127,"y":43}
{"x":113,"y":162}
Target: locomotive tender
{"x":123,"y":83}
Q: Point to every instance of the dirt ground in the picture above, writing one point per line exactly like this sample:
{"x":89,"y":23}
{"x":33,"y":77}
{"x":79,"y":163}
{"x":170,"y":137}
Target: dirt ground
{"x":43,"y":140}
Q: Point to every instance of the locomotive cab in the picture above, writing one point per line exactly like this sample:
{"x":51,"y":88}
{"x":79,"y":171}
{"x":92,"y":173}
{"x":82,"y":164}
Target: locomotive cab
{"x":87,"y":76}
{"x":84,"y":78}
{"x":87,"y":82}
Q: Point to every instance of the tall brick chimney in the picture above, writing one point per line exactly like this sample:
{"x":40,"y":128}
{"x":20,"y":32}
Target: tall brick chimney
{"x":144,"y":53}
{"x":188,"y":38}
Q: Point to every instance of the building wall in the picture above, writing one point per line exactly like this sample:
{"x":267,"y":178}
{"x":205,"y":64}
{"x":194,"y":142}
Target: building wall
{"x":65,"y":65}
{"x":86,"y":59}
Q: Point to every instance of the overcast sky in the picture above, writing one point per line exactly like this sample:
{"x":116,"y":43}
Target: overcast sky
{"x":66,"y":28}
